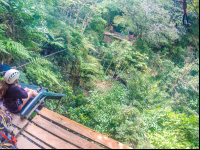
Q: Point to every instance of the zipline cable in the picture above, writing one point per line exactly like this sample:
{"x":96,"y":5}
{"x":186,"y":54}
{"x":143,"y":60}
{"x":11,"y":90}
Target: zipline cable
{"x":47,"y":56}
{"x":37,"y":59}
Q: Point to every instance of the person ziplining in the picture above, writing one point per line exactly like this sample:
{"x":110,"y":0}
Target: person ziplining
{"x":184,"y":3}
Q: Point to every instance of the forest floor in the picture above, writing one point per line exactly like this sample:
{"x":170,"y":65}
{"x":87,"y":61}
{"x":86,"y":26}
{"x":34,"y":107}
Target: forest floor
{"x":103,"y":85}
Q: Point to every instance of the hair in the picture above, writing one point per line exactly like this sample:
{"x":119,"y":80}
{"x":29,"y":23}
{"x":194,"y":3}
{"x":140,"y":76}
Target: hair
{"x":3,"y":87}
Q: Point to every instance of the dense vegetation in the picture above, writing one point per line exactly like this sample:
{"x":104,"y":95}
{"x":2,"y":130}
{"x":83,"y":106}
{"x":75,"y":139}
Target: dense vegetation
{"x":144,"y":94}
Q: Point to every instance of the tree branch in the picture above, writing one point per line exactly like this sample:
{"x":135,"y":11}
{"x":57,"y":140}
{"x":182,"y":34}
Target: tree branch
{"x":195,"y":42}
{"x":180,"y":78}
{"x":194,"y":88}
{"x":138,"y":37}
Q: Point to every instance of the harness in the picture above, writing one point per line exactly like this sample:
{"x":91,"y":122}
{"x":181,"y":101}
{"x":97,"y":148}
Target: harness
{"x":5,"y":141}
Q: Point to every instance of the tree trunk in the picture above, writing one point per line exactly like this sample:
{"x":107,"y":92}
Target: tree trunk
{"x":195,"y":42}
{"x":86,"y":23}
{"x":84,"y":20}
{"x":66,"y":69}
{"x":88,"y":18}
{"x":77,"y":15}
{"x":110,"y":63}
{"x":138,"y":37}
{"x":72,"y":72}
{"x":71,"y":13}
{"x":67,"y":15}
{"x":122,"y":70}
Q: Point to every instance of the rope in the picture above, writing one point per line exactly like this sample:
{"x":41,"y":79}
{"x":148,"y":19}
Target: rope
{"x":2,"y":120}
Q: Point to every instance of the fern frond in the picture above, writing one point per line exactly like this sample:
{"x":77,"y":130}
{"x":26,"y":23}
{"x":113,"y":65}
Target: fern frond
{"x":89,"y":67}
{"x":31,"y":44}
{"x":39,"y":37}
{"x":59,"y":44}
{"x":92,"y":65}
{"x":2,"y":47}
{"x":59,"y":39}
{"x":48,"y":75}
{"x":40,"y":61}
{"x":17,"y":48}
{"x":87,"y":45}
{"x":50,"y":36}
{"x":5,"y":4}
{"x":38,"y":71}
{"x":1,"y":31}
{"x":92,"y":59}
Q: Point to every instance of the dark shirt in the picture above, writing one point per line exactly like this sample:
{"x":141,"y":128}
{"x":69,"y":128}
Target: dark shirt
{"x":12,"y":95}
{"x":184,"y":5}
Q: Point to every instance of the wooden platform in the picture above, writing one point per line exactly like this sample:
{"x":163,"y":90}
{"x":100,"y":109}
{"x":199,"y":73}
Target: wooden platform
{"x":49,"y":130}
{"x":117,"y":36}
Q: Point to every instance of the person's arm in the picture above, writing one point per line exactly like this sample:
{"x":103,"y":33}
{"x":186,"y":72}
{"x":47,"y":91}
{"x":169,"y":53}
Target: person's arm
{"x":180,"y":1}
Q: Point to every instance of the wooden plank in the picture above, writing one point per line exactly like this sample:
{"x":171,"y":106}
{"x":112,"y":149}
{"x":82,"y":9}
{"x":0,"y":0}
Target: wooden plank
{"x":63,"y":133}
{"x":23,"y":143}
{"x":17,"y":121}
{"x":35,"y":140}
{"x":83,"y":130}
{"x":48,"y":138}
{"x":15,"y":130}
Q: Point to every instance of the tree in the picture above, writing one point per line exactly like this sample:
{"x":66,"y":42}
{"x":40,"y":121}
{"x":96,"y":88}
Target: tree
{"x":148,"y":19}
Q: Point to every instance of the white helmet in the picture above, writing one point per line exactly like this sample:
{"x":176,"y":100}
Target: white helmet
{"x":11,"y":76}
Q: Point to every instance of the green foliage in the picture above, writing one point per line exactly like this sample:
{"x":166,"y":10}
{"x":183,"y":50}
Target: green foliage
{"x":144,"y":92}
{"x":158,"y":27}
{"x":17,"y":48}
{"x":109,"y":115}
{"x":159,"y":105}
{"x":32,"y":115}
{"x":5,"y":4}
{"x":23,"y":78}
{"x":40,"y":74}
{"x":92,"y":66}
{"x":172,"y":131}
{"x":98,"y":25}
{"x":12,"y":50}
{"x":2,"y":47}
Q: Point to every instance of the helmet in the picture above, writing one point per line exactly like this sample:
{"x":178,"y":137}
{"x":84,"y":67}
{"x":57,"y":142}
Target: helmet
{"x":11,"y":76}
